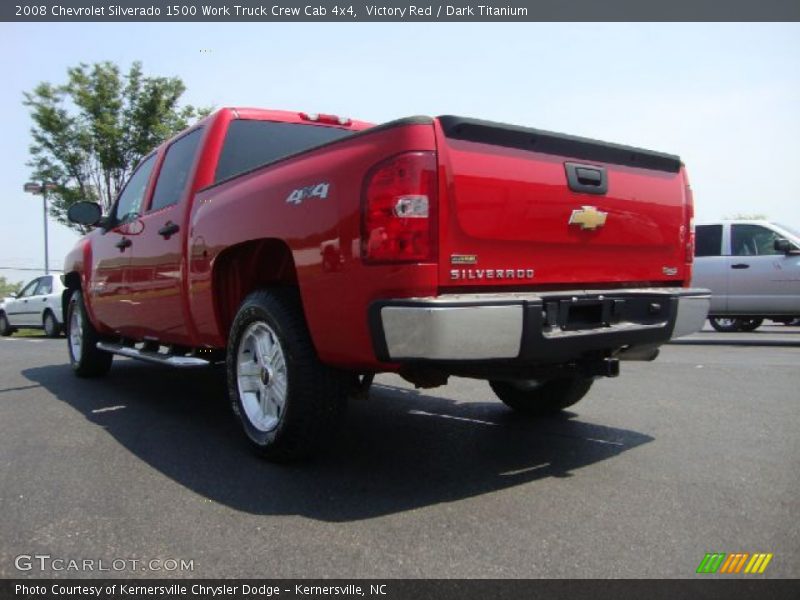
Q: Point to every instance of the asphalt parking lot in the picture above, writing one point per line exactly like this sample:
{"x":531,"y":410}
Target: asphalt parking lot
{"x":698,"y":452}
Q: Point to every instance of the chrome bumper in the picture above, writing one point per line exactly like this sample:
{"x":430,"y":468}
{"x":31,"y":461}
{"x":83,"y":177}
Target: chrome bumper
{"x":532,"y":327}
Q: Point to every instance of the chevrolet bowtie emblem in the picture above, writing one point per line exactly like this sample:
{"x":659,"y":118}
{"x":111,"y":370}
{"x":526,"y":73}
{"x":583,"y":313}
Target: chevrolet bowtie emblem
{"x":588,"y":217}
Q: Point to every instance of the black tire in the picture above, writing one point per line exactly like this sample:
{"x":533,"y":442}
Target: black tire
{"x":5,"y":327}
{"x":52,"y":328}
{"x":90,"y":361}
{"x":544,"y":398}
{"x":725,"y":324}
{"x":314,"y":395}
{"x":750,"y":324}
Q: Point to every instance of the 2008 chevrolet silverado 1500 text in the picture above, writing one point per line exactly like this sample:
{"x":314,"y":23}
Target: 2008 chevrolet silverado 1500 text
{"x":311,"y":252}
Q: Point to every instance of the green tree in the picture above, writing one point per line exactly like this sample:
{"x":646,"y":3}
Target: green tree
{"x":90,"y":132}
{"x":7,"y":287}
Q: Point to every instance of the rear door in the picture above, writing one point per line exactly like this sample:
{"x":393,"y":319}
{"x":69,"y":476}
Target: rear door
{"x":38,"y":303}
{"x":156,"y":268}
{"x":711,"y":266}
{"x":530,"y":207}
{"x":762,"y":279}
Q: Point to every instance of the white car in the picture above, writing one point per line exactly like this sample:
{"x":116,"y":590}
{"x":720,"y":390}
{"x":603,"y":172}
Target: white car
{"x":37,"y":306}
{"x":753,"y":271}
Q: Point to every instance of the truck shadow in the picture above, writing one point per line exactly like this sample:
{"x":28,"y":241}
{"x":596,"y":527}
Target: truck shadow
{"x":397,"y":451}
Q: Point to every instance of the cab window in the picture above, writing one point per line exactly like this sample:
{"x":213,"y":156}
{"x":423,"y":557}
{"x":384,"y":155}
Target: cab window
{"x":129,"y":203}
{"x":250,"y":144}
{"x":175,"y":170}
{"x":753,"y":240}
{"x":708,"y":240}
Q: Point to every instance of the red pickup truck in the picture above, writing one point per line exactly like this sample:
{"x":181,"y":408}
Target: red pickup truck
{"x":310,"y":252}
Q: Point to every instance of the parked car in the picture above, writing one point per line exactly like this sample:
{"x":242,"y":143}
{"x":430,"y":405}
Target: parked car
{"x":37,"y":306}
{"x":753,"y":271}
{"x":310,"y":252}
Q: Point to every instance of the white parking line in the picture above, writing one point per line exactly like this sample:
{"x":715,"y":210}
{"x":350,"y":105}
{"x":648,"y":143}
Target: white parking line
{"x":443,"y":416}
{"x":108,"y":409}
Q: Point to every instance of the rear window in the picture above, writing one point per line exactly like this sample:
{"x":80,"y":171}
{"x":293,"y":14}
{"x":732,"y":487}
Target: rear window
{"x":708,"y":240}
{"x":249,"y":144}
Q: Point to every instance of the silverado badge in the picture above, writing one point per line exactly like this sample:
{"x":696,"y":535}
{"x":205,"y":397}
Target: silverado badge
{"x":588,"y":217}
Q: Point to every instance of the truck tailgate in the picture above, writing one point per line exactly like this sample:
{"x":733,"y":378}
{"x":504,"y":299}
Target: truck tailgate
{"x":524,"y":207}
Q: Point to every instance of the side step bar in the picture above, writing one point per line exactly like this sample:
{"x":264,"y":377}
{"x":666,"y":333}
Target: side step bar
{"x":160,"y":358}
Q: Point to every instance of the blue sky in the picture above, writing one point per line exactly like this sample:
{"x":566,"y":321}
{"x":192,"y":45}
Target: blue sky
{"x":725,"y":97}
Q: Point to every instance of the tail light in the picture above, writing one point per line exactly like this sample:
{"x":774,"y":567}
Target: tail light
{"x":689,"y":225}
{"x":399,"y":209}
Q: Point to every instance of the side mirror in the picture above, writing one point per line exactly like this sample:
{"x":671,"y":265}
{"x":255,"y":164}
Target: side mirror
{"x":85,"y":213}
{"x":12,"y":295}
{"x":785,"y":246}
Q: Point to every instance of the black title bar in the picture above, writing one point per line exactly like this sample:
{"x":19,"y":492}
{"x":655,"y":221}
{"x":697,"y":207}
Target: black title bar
{"x":395,"y":589}
{"x":398,"y":10}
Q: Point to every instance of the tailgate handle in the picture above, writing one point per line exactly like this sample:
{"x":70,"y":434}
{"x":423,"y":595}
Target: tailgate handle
{"x":740,"y":266}
{"x":588,"y":179}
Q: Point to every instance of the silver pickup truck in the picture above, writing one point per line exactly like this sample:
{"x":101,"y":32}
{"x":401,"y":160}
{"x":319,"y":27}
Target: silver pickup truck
{"x":753,"y":271}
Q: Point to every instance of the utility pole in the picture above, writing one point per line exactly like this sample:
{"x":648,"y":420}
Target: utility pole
{"x":42,"y":188}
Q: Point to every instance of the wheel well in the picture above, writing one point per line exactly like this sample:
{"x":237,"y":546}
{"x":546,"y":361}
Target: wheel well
{"x":72,"y":282}
{"x":246,"y":267}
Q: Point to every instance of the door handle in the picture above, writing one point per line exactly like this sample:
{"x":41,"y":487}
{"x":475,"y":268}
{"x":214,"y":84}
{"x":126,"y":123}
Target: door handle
{"x":740,"y":266}
{"x":169,"y":229}
{"x":124,"y":243}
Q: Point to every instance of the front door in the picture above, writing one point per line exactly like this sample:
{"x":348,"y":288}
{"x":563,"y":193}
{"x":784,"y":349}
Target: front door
{"x":762,"y":280}
{"x":109,"y":295}
{"x":18,"y":310}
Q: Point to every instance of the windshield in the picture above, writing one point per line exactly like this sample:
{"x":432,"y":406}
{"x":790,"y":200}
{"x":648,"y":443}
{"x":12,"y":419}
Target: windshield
{"x":791,"y":230}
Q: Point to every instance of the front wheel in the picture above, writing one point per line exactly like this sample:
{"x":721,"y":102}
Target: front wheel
{"x":5,"y":326}
{"x":545,"y":398}
{"x":84,"y":357}
{"x":288,"y":402}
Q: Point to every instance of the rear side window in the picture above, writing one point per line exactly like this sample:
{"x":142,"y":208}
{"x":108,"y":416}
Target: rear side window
{"x":129,"y":204}
{"x":175,"y":170}
{"x":249,"y":144}
{"x":708,"y":240}
{"x":45,"y":286}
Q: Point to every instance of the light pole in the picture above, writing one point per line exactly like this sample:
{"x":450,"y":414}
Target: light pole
{"x":42,"y":188}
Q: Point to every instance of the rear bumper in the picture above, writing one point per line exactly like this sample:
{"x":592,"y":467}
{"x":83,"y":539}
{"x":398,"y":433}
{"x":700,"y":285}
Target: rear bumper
{"x":529,"y":328}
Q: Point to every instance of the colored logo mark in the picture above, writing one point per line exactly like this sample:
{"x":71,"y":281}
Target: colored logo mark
{"x":740,"y":562}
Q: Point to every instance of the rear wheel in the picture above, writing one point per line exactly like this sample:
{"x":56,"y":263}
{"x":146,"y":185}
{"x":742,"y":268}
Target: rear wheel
{"x":288,"y":402}
{"x":750,"y":324}
{"x":84,"y":357}
{"x":724,"y":324}
{"x":5,"y":326}
{"x":545,"y":398}
{"x":51,"y":327}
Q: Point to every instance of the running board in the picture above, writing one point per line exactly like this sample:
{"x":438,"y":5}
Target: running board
{"x":170,"y":360}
